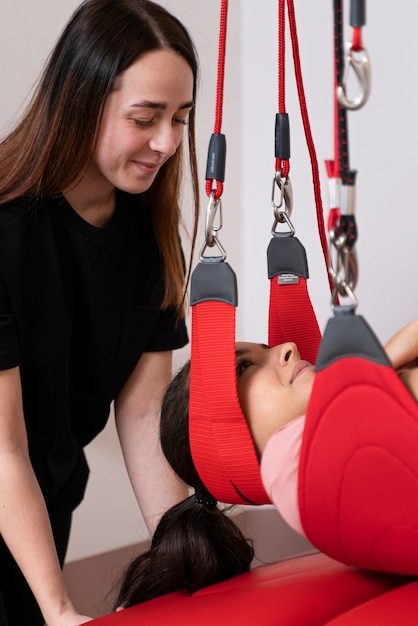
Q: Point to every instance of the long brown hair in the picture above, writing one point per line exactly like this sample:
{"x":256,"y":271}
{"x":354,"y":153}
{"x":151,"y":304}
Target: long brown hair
{"x":50,"y":148}
{"x":195,"y":544}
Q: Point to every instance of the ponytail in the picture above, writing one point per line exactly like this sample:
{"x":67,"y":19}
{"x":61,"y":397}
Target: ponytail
{"x":195,"y":545}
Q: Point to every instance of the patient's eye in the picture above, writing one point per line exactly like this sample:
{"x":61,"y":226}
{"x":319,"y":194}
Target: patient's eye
{"x":242,"y":365}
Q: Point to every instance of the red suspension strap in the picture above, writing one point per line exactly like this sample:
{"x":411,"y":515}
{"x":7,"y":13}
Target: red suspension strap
{"x":291,"y":315}
{"x":220,"y":441}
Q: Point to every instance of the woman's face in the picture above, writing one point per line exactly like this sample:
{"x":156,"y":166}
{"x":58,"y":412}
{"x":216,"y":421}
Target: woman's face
{"x":274,"y":387}
{"x":143,"y":121}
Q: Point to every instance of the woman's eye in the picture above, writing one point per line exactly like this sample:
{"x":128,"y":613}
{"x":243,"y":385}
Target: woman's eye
{"x":242,"y":366}
{"x":142,"y":123}
{"x":181,"y":121}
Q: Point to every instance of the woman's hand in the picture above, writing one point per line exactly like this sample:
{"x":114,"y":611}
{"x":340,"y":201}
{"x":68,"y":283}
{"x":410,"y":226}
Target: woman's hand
{"x":409,"y":376}
{"x":70,"y":618}
{"x":402,"y":348}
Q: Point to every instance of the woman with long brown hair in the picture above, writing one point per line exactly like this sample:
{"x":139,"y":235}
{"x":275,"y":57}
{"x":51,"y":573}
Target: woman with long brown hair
{"x":92,"y":282}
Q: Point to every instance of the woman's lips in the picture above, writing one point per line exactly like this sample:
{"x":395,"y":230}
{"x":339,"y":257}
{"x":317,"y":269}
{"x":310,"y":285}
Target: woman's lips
{"x":147,"y":168}
{"x":300,"y":369}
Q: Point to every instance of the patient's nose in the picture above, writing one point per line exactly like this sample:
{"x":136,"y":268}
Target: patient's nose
{"x":288,"y":352}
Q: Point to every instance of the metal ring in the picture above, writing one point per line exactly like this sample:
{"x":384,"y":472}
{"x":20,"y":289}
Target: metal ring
{"x":283,"y":218}
{"x":213,"y":259}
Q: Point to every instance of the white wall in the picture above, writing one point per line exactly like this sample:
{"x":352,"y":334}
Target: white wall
{"x":382,"y":148}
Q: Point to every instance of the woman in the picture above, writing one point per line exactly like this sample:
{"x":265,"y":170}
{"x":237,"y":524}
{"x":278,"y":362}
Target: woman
{"x":91,"y":282}
{"x":196,"y":541}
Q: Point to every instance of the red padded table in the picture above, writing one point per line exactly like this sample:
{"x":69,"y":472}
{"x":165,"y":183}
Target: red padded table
{"x":398,"y":607}
{"x":310,"y":590}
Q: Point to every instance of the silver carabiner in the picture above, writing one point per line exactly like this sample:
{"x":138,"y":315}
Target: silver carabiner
{"x":360,"y":62}
{"x":344,"y":272}
{"x":211,"y":229}
{"x":285,"y":196}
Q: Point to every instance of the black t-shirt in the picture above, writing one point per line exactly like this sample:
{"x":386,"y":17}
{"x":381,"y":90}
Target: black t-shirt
{"x":78,"y":307}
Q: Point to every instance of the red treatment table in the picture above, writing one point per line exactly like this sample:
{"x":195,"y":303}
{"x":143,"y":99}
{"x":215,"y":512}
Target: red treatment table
{"x":310,"y":590}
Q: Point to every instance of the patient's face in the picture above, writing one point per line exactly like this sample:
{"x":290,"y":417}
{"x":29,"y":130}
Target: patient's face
{"x":274,"y":387}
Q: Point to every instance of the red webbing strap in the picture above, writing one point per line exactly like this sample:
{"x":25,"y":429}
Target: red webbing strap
{"x":292,"y":318}
{"x":221,"y":444}
{"x":358,"y":469}
{"x":291,"y":315}
{"x":220,"y":441}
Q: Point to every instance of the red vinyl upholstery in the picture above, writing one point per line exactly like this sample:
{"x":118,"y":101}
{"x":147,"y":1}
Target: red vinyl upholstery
{"x":399,"y":606}
{"x":305,"y":591}
{"x":358,"y":472}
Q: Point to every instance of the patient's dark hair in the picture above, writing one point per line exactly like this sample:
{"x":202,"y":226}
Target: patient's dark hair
{"x":195,"y":544}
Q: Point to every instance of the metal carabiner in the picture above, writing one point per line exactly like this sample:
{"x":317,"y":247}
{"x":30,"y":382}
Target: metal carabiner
{"x":344,"y":272}
{"x":360,"y":62}
{"x":211,"y":229}
{"x":286,"y":195}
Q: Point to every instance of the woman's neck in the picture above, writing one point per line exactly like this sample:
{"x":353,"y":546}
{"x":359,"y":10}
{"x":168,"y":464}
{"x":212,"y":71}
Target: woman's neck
{"x":94,"y":202}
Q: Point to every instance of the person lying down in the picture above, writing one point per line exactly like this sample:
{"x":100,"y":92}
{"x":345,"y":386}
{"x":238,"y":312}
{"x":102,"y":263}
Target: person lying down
{"x":196,"y":544}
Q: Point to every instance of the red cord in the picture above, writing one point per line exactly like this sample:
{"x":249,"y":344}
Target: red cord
{"x":282,"y":165}
{"x":281,"y":62}
{"x":221,"y":67}
{"x":357,"y":43}
{"x":219,"y":91}
{"x":338,"y":49}
{"x":308,"y":135}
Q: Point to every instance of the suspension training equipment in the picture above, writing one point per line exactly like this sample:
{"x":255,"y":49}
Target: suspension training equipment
{"x":358,"y":463}
{"x":221,"y":443}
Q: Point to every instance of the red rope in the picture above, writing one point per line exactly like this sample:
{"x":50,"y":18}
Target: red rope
{"x":357,"y":43}
{"x":221,"y":67}
{"x":308,"y":136}
{"x":282,"y":165}
{"x":338,"y":72}
{"x":219,"y":91}
{"x":281,"y":62}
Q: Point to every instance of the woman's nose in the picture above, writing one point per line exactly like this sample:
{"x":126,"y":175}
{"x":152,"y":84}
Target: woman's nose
{"x":288,"y":352}
{"x":163,"y":140}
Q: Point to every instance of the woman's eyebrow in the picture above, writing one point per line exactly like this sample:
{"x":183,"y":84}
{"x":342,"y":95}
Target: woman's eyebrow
{"x":150,"y":104}
{"x":244,"y":351}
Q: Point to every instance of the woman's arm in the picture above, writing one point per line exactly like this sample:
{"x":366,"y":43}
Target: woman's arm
{"x":137,"y":412}
{"x":24,"y":521}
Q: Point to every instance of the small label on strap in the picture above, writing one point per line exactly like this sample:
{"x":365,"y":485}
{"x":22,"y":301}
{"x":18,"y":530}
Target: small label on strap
{"x":288,"y":279}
